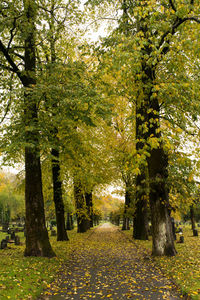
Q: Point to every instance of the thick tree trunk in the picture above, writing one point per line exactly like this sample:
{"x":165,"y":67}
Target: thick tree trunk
{"x":57,"y":197}
{"x":81,"y":210}
{"x":163,"y":241}
{"x":37,"y":241}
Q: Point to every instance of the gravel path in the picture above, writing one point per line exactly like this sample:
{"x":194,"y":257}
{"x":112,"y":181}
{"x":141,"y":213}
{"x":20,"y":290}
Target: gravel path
{"x":108,"y":265}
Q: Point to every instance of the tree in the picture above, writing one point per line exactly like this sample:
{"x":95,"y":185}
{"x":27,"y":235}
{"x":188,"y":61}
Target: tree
{"x":37,"y":242}
{"x":155,"y":29}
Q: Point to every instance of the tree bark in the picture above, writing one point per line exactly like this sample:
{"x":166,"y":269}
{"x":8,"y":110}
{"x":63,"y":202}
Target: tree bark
{"x":57,"y":197}
{"x":89,"y":204}
{"x":127,"y":203}
{"x":163,"y":241}
{"x":81,"y":210}
{"x":192,"y":217}
{"x":69,"y":224}
{"x":140,"y":219}
{"x":57,"y":182}
{"x":37,"y":241}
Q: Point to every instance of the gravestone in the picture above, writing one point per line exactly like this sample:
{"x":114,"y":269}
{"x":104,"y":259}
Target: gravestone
{"x":195,"y":232}
{"x":179,"y":230}
{"x":5,"y":227}
{"x":53,"y":232}
{"x":12,"y":235}
{"x":17,"y":240}
{"x":3,"y":244}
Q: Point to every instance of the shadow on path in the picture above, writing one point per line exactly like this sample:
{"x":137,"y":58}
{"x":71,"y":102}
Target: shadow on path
{"x":109,"y":266}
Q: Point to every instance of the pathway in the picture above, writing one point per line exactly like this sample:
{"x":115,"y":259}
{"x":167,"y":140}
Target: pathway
{"x":109,"y":266}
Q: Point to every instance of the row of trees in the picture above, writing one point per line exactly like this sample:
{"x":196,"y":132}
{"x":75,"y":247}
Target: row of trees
{"x":91,"y":115}
{"x":52,"y":104}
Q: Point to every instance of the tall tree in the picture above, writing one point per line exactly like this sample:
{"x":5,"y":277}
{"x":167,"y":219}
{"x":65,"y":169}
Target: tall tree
{"x":155,"y":28}
{"x":37,"y":241}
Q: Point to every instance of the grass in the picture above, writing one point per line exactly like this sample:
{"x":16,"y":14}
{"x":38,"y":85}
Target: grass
{"x":184,"y":268}
{"x":25,"y":277}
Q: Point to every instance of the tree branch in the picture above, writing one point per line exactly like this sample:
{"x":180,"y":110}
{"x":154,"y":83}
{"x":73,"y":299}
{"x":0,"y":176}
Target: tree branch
{"x":176,"y":24}
{"x":12,"y":33}
{"x":172,"y":5}
{"x":9,"y":102}
{"x":6,"y":67}
{"x":14,"y":67}
{"x":192,"y":19}
{"x":18,"y":55}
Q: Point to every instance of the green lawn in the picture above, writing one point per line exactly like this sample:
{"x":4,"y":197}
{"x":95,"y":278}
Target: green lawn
{"x":184,"y":268}
{"x":25,"y":278}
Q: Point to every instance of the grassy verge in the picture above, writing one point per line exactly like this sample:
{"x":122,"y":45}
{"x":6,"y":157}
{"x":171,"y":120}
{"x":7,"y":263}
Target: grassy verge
{"x":184,"y":268}
{"x":25,"y":278}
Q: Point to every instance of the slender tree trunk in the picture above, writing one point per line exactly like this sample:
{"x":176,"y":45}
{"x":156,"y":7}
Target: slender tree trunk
{"x":57,"y":197}
{"x":140,"y":219}
{"x":192,"y":218}
{"x":57,"y":182}
{"x":127,"y":203}
{"x":81,"y":210}
{"x":89,"y":204}
{"x":37,"y":241}
{"x":72,"y":221}
{"x":69,"y":224}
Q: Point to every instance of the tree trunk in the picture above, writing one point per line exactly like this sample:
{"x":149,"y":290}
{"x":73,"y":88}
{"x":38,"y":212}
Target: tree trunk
{"x":89,"y":204}
{"x":81,"y":210}
{"x":57,"y":197}
{"x":163,"y":241}
{"x":37,"y":241}
{"x":127,"y":203}
{"x":57,"y":183}
{"x":69,"y":224}
{"x":140,"y":219}
{"x":192,"y":218}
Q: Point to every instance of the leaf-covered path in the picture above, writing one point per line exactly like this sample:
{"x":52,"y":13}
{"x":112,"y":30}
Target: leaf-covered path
{"x":107,"y":265}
